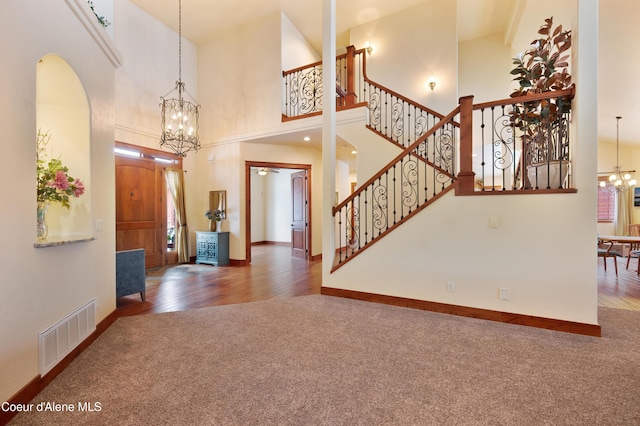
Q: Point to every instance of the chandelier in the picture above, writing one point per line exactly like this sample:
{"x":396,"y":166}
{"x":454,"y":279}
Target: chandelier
{"x":179,"y":116}
{"x":619,"y":181}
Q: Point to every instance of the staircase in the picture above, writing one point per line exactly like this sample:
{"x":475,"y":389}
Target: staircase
{"x":432,"y":147}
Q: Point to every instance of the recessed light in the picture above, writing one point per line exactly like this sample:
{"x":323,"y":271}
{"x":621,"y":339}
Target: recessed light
{"x":307,"y":138}
{"x":354,"y":152}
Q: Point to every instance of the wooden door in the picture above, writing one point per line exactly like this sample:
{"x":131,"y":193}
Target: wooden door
{"x":139,"y":191}
{"x":299,"y":214}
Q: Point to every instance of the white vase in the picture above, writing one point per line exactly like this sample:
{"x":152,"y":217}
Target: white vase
{"x":548,"y":175}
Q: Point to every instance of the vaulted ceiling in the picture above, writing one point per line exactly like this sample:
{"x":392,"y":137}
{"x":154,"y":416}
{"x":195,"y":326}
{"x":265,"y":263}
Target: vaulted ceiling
{"x":619,"y":58}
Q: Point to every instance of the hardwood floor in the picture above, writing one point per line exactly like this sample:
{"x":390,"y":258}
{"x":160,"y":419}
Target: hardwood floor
{"x":274,"y":274}
{"x":620,"y":291}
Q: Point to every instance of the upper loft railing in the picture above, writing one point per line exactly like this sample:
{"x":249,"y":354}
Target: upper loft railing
{"x":303,"y":86}
{"x":392,"y":115}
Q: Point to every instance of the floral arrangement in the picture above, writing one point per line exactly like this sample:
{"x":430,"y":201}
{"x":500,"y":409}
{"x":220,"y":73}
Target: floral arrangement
{"x":216,"y":215}
{"x":53,"y":180}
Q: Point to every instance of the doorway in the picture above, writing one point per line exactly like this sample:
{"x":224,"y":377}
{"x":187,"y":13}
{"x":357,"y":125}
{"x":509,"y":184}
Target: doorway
{"x":143,"y":219}
{"x":297,"y":216}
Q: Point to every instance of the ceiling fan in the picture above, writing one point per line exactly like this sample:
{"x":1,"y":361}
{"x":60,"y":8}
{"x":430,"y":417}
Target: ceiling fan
{"x":262,"y":171}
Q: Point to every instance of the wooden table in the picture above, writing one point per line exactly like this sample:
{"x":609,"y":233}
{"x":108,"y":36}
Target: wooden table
{"x":624,"y":239}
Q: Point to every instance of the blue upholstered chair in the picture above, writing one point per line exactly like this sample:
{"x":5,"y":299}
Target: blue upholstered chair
{"x":130,"y":273}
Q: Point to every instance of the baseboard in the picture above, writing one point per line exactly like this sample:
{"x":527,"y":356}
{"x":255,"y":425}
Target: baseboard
{"x":271,"y":243}
{"x":238,"y":262}
{"x":315,"y":257}
{"x":37,"y":384}
{"x":486,"y":314}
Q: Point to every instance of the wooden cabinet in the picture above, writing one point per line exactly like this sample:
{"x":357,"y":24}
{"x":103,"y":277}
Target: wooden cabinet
{"x":212,"y":248}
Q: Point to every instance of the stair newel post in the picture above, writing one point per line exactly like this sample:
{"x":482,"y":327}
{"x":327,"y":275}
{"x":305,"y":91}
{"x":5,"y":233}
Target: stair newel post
{"x":466,"y":176}
{"x":351,"y":76}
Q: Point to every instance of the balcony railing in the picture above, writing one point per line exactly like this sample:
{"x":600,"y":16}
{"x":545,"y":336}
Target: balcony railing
{"x":516,"y":145}
{"x":512,"y":146}
{"x":418,"y":176}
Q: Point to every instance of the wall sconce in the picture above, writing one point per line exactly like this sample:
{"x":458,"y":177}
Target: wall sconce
{"x":368,"y":48}
{"x":432,"y":82}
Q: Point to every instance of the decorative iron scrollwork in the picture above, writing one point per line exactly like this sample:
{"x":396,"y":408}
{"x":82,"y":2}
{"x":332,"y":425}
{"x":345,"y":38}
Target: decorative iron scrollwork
{"x":409,"y":183}
{"x":380,"y":205}
{"x":305,"y":94}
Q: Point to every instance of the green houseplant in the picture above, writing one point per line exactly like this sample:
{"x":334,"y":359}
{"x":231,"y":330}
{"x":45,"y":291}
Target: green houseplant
{"x":543,"y":124}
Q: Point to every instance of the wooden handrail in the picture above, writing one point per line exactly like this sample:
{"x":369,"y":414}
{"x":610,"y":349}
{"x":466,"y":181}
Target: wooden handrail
{"x":446,"y":119}
{"x":570,"y":92}
{"x":399,"y":96}
{"x":314,"y":64}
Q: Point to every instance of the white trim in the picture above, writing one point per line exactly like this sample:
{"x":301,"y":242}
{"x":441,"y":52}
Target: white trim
{"x":81,"y":9}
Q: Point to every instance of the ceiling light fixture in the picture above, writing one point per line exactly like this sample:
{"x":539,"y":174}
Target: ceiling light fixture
{"x":619,"y":181}
{"x":179,"y":116}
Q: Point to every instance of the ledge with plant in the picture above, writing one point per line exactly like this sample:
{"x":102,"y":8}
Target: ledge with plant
{"x":53,"y":183}
{"x":544,"y":123}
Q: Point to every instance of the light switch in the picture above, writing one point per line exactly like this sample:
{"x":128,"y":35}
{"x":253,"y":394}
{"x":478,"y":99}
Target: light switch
{"x":494,"y":222}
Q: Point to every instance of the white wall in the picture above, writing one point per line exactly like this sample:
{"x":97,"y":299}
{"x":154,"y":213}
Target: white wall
{"x":484,"y":66}
{"x":271,"y":206}
{"x":412,"y":45}
{"x":451,"y":240}
{"x":296,"y":50}
{"x":150,"y":70}
{"x":240,"y":79}
{"x":41,"y":286}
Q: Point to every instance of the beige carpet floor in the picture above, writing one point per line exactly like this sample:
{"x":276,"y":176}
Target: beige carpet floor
{"x":320,"y":360}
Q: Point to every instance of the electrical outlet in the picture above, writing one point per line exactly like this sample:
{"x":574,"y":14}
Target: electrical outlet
{"x":99,"y":224}
{"x":504,"y":294}
{"x":451,"y":286}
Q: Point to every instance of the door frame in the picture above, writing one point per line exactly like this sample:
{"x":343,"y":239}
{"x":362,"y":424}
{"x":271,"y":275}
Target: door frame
{"x":247,"y":194}
{"x":150,"y":155}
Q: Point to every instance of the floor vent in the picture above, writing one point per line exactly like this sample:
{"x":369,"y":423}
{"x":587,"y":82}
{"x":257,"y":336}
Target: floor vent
{"x":62,"y":337}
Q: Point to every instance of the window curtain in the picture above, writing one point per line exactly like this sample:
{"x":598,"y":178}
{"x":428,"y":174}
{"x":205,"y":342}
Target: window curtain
{"x":175,"y":181}
{"x":624,"y":212}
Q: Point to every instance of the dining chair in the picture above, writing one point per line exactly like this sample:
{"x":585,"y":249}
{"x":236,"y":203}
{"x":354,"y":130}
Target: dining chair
{"x":634,"y":249}
{"x":604,"y":251}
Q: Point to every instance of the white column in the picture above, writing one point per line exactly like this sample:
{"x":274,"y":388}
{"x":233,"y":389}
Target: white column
{"x":328,"y":132}
{"x":585,"y":137}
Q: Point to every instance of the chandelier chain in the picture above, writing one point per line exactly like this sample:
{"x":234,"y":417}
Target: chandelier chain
{"x":180,"y":41}
{"x":179,"y":117}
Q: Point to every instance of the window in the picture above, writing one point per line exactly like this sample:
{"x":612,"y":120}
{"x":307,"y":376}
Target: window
{"x":606,"y":203}
{"x":171,"y":220}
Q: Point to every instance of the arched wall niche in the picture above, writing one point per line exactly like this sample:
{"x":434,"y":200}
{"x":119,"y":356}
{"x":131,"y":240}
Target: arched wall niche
{"x":63,"y":112}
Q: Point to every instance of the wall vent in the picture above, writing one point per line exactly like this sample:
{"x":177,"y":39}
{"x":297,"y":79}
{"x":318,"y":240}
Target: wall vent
{"x":61,"y":338}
